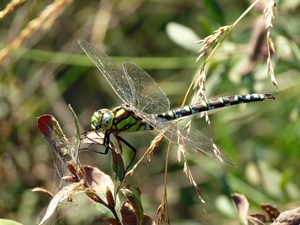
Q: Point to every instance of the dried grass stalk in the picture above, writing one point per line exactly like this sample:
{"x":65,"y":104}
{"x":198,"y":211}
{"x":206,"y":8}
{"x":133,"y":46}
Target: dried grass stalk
{"x":10,"y":7}
{"x":210,"y":40}
{"x":102,"y":19}
{"x":43,"y":22}
{"x":269,"y":14}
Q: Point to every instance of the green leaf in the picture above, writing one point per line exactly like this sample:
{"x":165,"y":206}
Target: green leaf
{"x":118,"y":170}
{"x":182,"y":36}
{"x":133,"y":196}
{"x":216,"y":11}
{"x":9,"y":222}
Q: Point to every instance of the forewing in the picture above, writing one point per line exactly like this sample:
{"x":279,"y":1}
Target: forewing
{"x":112,"y":71}
{"x":149,"y":98}
{"x":192,"y":140}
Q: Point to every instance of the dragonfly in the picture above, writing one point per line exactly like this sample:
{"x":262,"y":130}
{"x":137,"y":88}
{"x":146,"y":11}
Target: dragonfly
{"x":146,"y":107}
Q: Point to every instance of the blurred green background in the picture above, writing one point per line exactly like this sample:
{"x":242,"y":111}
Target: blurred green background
{"x":50,"y":70}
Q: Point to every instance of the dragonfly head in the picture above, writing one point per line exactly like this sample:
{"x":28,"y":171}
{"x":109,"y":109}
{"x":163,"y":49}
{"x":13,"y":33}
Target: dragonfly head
{"x":102,"y":120}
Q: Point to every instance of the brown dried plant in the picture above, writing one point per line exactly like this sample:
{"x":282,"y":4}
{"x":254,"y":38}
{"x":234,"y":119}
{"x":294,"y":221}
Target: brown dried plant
{"x":43,"y":22}
{"x":10,"y":7}
{"x":269,"y":14}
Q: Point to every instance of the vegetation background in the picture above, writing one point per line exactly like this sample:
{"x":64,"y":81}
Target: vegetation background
{"x":48,"y":70}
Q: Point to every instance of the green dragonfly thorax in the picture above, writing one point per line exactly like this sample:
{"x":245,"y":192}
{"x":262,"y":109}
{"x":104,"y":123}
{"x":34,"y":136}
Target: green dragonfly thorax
{"x":102,"y":120}
{"x":119,"y":119}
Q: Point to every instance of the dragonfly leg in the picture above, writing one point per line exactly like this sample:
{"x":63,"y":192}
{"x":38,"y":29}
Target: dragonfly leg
{"x":128,"y":145}
{"x":106,"y":141}
{"x":105,"y":144}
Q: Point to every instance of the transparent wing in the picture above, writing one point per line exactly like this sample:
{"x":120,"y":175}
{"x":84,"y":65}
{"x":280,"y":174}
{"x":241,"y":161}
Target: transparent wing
{"x":191,"y":141}
{"x":149,"y":98}
{"x":136,"y":87}
{"x":52,"y":132}
{"x":64,"y":151}
{"x":131,"y":83}
{"x":113,"y":72}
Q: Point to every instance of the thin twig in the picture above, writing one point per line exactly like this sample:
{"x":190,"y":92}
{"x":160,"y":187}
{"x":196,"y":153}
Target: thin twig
{"x":10,"y":7}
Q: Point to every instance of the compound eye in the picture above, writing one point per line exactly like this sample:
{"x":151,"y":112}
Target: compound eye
{"x":106,"y":121}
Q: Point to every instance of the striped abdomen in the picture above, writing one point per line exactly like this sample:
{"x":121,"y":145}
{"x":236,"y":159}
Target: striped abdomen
{"x":213,"y":104}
